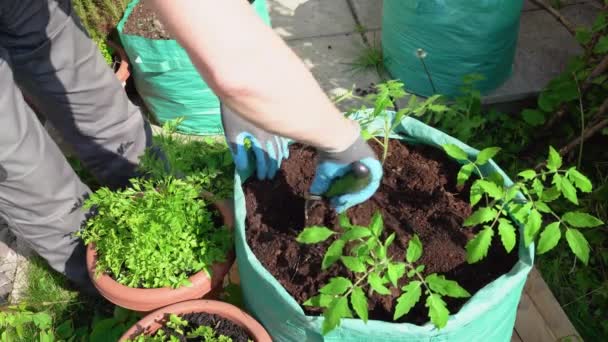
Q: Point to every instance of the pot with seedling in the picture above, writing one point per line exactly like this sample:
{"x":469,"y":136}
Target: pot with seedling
{"x":441,"y":251}
{"x":198,"y":320}
{"x":163,"y":239}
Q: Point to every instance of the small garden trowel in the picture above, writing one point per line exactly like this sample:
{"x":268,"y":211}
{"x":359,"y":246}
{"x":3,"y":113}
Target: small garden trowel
{"x":354,"y":180}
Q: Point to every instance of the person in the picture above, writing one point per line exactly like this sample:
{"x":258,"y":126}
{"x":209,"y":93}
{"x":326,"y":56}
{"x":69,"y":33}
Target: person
{"x":45,"y":55}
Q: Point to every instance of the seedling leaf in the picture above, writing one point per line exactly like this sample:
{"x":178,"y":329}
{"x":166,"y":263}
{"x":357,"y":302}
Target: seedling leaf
{"x":527,"y":174}
{"x":464,"y":174}
{"x":554,"y":161}
{"x":321,"y":301}
{"x":507,"y":234}
{"x":580,"y":180}
{"x":446,"y":287}
{"x":581,"y":220}
{"x":359,"y":303}
{"x":314,"y":234}
{"x":481,"y":215}
{"x":356,"y":232}
{"x":549,"y":238}
{"x":377,"y":224}
{"x":353,"y":264}
{"x":395,"y":271}
{"x":578,"y":244}
{"x":377,"y":284}
{"x":336,"y":311}
{"x":414,"y":249}
{"x":408,"y":299}
{"x":569,"y":191}
{"x":333,"y":254}
{"x":455,"y":152}
{"x":477,"y":248}
{"x":486,"y":154}
{"x":336,"y":286}
{"x":438,"y":312}
{"x":532,"y":226}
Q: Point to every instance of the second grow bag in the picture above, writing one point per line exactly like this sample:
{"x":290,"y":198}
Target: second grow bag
{"x":489,"y":315}
{"x":168,"y":82}
{"x":458,"y":37}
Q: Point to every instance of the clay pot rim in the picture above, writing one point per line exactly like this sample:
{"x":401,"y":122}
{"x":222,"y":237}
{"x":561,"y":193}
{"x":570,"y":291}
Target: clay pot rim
{"x":123,"y":72}
{"x":122,"y":295}
{"x":151,"y":322}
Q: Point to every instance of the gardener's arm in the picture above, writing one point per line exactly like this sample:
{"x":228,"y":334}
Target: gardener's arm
{"x":254,"y":72}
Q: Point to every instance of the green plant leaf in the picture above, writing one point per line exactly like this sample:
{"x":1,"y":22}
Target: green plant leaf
{"x":455,"y":152}
{"x":344,"y":220}
{"x":527,"y":174}
{"x":554,"y":161}
{"x":542,"y":207}
{"x":583,"y":35}
{"x":490,"y":188}
{"x":377,"y":224}
{"x":464,"y":174}
{"x":356,"y":232}
{"x":578,"y":244}
{"x":333,"y":253}
{"x":533,"y":117}
{"x":581,"y":220}
{"x":549,"y":238}
{"x":438,"y":311}
{"x":353,"y":264}
{"x":395,"y":271}
{"x":314,"y":234}
{"x":550,"y":194}
{"x":414,"y":249}
{"x":410,"y":296}
{"x":580,"y":180}
{"x":446,"y":287}
{"x":569,"y":191}
{"x":507,"y":234}
{"x":532,"y":226}
{"x":377,"y":284}
{"x":481,"y":215}
{"x":602,"y":46}
{"x":336,"y":286}
{"x":486,"y":154}
{"x":477,"y":248}
{"x":337,"y":310}
{"x":359,"y":303}
{"x":320,"y":301}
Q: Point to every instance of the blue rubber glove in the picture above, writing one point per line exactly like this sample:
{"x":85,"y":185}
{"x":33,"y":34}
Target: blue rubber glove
{"x":333,"y":165}
{"x":268,"y":149}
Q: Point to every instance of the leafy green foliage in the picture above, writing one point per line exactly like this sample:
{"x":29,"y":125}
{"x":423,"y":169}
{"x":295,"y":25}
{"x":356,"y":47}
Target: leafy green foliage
{"x":363,"y":251}
{"x":175,"y":324}
{"x":155,"y":233}
{"x":532,"y":212}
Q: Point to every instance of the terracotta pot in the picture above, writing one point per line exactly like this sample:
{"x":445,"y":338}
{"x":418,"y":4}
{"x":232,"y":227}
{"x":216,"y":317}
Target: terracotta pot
{"x":152,"y":322}
{"x":145,"y":300}
{"x":122,"y":71}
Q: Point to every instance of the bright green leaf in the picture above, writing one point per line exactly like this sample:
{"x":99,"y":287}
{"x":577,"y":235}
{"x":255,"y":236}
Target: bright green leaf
{"x":455,"y":152}
{"x":353,"y":264}
{"x":550,"y":194}
{"x":481,"y":215}
{"x":554,"y":161}
{"x":395,"y":271}
{"x":486,"y":154}
{"x":542,"y":207}
{"x":377,"y":284}
{"x":333,"y":253}
{"x":569,"y":191}
{"x":527,"y":174}
{"x":314,"y":234}
{"x":581,"y":220}
{"x":490,"y":188}
{"x":414,"y":249}
{"x":377,"y":224}
{"x":336,"y":286}
{"x":407,"y":300}
{"x":356,"y":232}
{"x":477,"y":248}
{"x":320,"y":301}
{"x":334,"y":313}
{"x":532,"y":226}
{"x":580,"y":180}
{"x":344,"y":220}
{"x":578,"y":244}
{"x":446,"y":287}
{"x":549,"y":238}
{"x":507,"y":234}
{"x":359,"y":303}
{"x":438,"y":312}
{"x":464,"y":174}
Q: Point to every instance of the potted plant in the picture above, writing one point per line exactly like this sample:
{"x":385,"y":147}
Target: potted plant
{"x":441,"y":251}
{"x":207,"y":320}
{"x":157,"y":242}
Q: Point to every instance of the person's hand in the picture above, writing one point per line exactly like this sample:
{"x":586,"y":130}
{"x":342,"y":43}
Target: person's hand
{"x":269,"y":150}
{"x":331,"y":166}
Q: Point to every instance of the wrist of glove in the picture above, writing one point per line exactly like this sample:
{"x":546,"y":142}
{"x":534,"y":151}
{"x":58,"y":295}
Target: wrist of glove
{"x":332,"y":165}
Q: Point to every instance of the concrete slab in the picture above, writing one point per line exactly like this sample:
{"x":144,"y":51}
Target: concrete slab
{"x":583,"y":14}
{"x":369,"y":13}
{"x":530,"y":6}
{"x":544,"y":49}
{"x":329,"y":59}
{"x":297,"y":19}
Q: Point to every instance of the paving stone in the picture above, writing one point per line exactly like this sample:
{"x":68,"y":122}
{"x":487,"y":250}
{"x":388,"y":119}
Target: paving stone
{"x":329,"y":59}
{"x":296,"y":19}
{"x":369,"y":13}
{"x":582,"y":14}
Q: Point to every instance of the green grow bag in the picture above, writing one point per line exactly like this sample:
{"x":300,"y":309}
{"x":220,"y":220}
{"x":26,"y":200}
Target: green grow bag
{"x":488,"y":316}
{"x":169,"y":83}
{"x":459,"y":37}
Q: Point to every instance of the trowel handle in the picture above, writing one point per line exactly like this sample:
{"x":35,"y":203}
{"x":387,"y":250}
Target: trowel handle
{"x":356,"y":179}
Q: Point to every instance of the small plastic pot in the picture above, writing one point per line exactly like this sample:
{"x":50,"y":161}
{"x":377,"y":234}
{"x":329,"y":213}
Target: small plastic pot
{"x":154,"y":321}
{"x":145,"y":300}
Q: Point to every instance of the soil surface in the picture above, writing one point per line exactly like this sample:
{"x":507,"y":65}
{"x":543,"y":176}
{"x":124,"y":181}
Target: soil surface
{"x":143,"y":22}
{"x":418,"y":195}
{"x":220,"y":325}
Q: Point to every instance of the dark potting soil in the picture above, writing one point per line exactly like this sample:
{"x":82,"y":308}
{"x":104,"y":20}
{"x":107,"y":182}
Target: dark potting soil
{"x":220,"y":325}
{"x":143,"y":22}
{"x":418,"y":195}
